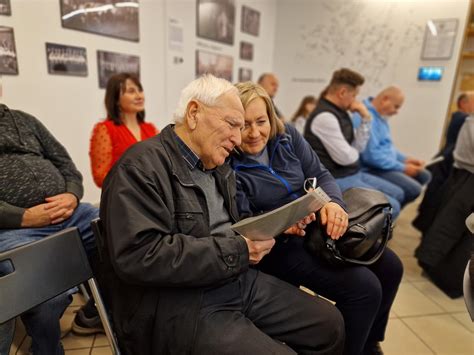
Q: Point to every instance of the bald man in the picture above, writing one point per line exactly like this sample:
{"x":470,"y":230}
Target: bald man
{"x":270,"y":83}
{"x":381,"y":157}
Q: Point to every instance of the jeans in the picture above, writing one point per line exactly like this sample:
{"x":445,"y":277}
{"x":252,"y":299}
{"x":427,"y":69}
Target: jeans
{"x":42,"y":322}
{"x":363,"y":294}
{"x":411,"y":186}
{"x":394,"y":193}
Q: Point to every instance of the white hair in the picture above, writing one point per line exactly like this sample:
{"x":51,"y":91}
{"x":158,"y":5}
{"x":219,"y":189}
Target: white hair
{"x":206,"y":89}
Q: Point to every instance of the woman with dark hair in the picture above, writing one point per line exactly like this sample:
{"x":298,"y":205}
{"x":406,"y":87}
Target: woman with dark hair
{"x":125,"y":124}
{"x":307,"y":105}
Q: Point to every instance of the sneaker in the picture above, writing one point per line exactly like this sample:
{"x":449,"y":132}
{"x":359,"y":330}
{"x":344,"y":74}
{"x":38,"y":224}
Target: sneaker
{"x":373,"y":349}
{"x":83,"y":325}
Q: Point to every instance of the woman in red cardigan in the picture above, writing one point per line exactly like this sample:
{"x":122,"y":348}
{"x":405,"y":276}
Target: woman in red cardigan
{"x":125,"y":124}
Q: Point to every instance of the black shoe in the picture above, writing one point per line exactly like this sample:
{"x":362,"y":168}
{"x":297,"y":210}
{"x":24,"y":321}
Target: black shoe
{"x":373,"y":349}
{"x":83,"y":325}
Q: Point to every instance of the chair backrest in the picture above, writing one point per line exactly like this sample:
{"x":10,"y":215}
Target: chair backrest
{"x":41,"y":271}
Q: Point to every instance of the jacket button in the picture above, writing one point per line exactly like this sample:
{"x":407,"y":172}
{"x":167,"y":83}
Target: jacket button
{"x":231,"y":259}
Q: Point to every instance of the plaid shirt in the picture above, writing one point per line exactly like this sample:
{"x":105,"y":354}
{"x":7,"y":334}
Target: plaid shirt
{"x":189,"y":156}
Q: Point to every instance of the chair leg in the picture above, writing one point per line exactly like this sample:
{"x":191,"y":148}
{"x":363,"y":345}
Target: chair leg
{"x":103,"y":316}
{"x":84,"y":292}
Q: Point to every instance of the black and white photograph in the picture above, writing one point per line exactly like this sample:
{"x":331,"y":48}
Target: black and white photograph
{"x":8,"y":57}
{"x":66,"y":60}
{"x":245,"y":74}
{"x":104,"y":17}
{"x":250,"y":21}
{"x":216,"y":64}
{"x":216,"y":20}
{"x":5,"y":7}
{"x":246,"y":50}
{"x":110,"y":63}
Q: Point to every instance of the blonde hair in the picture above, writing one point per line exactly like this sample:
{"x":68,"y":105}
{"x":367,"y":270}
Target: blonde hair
{"x":250,"y":91}
{"x":206,"y":89}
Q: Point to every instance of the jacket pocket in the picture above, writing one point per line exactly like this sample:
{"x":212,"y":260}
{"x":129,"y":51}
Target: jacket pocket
{"x":189,"y":217}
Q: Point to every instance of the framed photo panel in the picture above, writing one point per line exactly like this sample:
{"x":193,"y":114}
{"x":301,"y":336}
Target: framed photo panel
{"x":8,"y":57}
{"x":216,"y":20}
{"x":66,"y":60}
{"x":117,"y":19}
{"x":5,"y":7}
{"x":216,"y":64}
{"x":245,"y":74}
{"x":110,"y":63}
{"x":250,"y":22}
{"x":246,"y":51}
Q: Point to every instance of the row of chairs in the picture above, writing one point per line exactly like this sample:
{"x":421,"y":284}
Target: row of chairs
{"x":46,"y":268}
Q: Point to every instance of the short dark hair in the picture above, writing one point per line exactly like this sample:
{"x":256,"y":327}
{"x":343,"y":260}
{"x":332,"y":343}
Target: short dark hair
{"x":345,"y":77}
{"x":460,"y":99}
{"x":116,"y":87}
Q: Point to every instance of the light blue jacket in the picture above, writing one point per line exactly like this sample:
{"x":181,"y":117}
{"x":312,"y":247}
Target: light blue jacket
{"x":380,"y":152}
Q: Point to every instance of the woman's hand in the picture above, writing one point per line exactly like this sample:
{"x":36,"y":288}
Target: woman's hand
{"x":335,"y":219}
{"x":299,"y":227}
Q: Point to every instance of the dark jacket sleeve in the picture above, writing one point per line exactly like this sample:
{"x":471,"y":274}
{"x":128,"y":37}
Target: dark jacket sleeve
{"x":313,"y":167}
{"x":57,"y":154}
{"x":10,"y":216}
{"x":141,"y":242}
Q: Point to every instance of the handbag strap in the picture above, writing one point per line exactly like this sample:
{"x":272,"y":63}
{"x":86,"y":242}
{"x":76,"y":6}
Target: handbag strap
{"x":331,"y":245}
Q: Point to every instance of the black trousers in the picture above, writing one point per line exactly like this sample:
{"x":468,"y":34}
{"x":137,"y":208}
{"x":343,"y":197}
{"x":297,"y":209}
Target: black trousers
{"x":259,"y":314}
{"x":364,"y":295}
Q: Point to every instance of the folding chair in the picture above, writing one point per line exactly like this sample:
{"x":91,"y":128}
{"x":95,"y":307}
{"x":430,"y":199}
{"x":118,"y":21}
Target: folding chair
{"x":468,"y":282}
{"x":44,"y":269}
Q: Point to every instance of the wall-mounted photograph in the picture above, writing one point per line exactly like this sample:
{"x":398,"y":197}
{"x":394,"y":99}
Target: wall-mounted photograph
{"x":216,"y":20}
{"x":5,"y":7}
{"x":8,"y":58}
{"x":110,"y":63}
{"x":246,"y":51}
{"x":250,"y":21}
{"x":245,"y":74}
{"x":117,"y":19}
{"x":216,"y":64}
{"x":66,"y":60}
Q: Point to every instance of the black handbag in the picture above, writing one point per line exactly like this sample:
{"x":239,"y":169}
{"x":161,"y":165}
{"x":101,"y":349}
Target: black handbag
{"x":370,"y":228}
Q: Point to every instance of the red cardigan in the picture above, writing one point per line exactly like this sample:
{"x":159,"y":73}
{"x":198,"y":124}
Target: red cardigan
{"x":109,"y":141}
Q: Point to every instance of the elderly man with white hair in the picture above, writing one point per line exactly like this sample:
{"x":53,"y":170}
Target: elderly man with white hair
{"x":181,"y":279}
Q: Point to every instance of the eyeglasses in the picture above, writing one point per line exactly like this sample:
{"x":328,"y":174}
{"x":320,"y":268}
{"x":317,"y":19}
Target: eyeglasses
{"x":310,"y":184}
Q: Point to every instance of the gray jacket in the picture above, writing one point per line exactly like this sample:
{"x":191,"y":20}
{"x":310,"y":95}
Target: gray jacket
{"x":33,"y":166}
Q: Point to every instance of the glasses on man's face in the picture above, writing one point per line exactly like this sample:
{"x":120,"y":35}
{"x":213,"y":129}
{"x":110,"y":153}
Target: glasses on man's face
{"x":310,"y":184}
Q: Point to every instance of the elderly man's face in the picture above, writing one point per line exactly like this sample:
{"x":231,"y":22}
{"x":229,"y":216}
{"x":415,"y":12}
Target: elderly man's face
{"x":218,"y":129}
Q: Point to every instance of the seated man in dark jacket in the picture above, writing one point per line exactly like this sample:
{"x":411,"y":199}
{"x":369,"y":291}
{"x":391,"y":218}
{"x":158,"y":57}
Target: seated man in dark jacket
{"x":179,"y":275}
{"x":40,"y":189}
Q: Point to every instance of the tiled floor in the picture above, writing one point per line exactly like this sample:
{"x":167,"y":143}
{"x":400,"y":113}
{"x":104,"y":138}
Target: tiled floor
{"x":423,"y":319}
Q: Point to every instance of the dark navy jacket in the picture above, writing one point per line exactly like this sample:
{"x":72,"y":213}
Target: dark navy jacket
{"x":262,"y":188}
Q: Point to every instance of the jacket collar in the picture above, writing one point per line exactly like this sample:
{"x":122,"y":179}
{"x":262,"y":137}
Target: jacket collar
{"x":180,"y":167}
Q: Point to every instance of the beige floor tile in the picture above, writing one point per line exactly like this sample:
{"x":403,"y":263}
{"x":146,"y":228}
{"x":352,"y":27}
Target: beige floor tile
{"x":77,"y":300}
{"x":19,"y":337}
{"x":100,"y":340}
{"x":399,"y":339}
{"x":77,"y":352}
{"x":399,"y":248}
{"x":444,"y":334}
{"x":412,"y":302}
{"x":67,"y":318}
{"x":101,"y":351}
{"x":24,"y":349}
{"x":411,"y":270}
{"x":71,"y":341}
{"x":465,"y":320}
{"x":435,"y":294}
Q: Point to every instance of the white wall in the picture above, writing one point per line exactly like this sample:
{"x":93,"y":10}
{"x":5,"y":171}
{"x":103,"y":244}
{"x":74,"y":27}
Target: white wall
{"x":382,"y":39}
{"x":70,"y":106}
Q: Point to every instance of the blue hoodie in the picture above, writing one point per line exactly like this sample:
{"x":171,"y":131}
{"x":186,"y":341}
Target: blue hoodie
{"x":261,"y":188}
{"x":380,"y":152}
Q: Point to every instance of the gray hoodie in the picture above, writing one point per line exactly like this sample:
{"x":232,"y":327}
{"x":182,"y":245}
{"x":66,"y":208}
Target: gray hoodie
{"x":33,"y":166}
{"x":464,"y":151}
